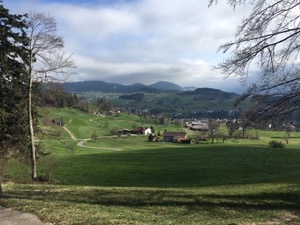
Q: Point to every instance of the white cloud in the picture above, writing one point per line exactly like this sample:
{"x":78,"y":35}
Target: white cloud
{"x":144,"y":40}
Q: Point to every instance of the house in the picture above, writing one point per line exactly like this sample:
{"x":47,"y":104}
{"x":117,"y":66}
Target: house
{"x":58,"y":122}
{"x":173,"y":136}
{"x":147,"y":131}
{"x":124,"y":132}
{"x":184,"y":140}
{"x":200,"y":127}
{"x":135,"y":131}
{"x":138,"y":130}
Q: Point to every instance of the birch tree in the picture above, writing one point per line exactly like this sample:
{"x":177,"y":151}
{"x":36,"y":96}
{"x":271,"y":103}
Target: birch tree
{"x":46,"y":60}
{"x":267,"y":45}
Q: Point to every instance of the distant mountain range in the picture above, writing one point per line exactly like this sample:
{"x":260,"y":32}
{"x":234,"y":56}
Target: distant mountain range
{"x":164,"y":98}
{"x":101,"y":86}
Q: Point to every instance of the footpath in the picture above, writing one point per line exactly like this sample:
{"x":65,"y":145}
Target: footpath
{"x":13,"y":217}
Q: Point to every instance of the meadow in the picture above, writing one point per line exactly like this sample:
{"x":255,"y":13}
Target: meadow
{"x":236,"y":182}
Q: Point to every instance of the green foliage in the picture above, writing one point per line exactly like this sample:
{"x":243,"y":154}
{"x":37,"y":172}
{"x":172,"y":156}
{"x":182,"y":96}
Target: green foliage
{"x":103,"y":104}
{"x":53,"y":95}
{"x":276,"y":144}
{"x":138,"y":97}
{"x":13,"y":81}
{"x":47,"y":164}
{"x":190,"y":104}
{"x":94,"y":137}
{"x":151,"y":137}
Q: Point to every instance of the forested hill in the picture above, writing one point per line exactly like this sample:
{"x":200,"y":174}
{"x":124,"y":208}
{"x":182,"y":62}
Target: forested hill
{"x":200,"y":103}
{"x":101,"y":86}
{"x":210,"y":94}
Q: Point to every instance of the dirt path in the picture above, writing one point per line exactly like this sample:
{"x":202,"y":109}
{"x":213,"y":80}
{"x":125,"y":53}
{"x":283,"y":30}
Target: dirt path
{"x":81,"y":143}
{"x":70,"y":133}
{"x":13,"y":217}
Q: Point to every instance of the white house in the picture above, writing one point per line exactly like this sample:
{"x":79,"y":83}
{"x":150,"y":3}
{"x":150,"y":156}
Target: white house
{"x":147,"y":131}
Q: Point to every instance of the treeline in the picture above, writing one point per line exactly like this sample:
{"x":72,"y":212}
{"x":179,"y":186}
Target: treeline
{"x":138,"y":97}
{"x":209,"y":94}
{"x":53,"y":95}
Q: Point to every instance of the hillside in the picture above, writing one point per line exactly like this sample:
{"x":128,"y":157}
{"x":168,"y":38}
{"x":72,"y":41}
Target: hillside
{"x":160,"y":98}
{"x":210,"y":94}
{"x":203,"y":102}
{"x":167,"y":86}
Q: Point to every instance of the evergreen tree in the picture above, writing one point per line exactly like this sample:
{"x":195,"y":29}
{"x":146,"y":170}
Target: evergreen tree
{"x":13,"y":82}
{"x":13,"y":86}
{"x":104,"y":104}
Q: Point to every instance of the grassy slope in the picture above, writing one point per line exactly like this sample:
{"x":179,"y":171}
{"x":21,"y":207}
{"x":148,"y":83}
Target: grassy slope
{"x":83,"y":125}
{"x":158,"y":183}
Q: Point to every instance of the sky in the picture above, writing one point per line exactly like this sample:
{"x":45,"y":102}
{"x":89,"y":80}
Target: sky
{"x":143,"y":41}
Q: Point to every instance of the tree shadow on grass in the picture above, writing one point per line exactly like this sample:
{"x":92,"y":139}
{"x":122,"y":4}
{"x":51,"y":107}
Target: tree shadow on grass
{"x":194,"y":166}
{"x":132,"y":197}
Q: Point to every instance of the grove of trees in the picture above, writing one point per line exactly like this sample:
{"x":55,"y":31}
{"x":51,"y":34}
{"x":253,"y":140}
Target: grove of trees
{"x":30,"y":53}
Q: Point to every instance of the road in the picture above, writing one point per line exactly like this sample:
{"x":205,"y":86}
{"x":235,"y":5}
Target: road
{"x":81,"y":143}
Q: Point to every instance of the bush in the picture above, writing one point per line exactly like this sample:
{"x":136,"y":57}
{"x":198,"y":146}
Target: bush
{"x":151,"y":137}
{"x":114,"y":132}
{"x":276,"y":144}
{"x":94,"y":137}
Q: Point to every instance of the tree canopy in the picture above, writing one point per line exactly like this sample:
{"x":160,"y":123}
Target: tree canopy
{"x":13,"y":81}
{"x":267,"y":45}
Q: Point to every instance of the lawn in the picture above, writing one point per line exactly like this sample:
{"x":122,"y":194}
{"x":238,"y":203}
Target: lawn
{"x":201,"y":184}
{"x":236,"y":182}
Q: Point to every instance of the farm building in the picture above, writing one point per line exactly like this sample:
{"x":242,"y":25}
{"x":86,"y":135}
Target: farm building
{"x":173,"y":136}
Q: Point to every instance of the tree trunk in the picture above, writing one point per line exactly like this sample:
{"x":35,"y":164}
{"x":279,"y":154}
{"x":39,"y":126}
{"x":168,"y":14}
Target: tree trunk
{"x":31,"y":130}
{"x":1,"y":193}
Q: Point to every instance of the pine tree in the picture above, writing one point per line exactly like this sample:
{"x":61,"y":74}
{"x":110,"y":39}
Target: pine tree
{"x":13,"y":81}
{"x":13,"y":86}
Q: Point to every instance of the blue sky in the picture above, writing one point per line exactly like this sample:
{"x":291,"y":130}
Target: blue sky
{"x":143,"y":41}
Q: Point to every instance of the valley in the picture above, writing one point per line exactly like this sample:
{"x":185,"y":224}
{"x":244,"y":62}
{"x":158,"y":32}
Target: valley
{"x":238,"y":181}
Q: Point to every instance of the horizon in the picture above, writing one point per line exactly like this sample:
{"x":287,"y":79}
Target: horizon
{"x":142,"y":41}
{"x":173,"y":83}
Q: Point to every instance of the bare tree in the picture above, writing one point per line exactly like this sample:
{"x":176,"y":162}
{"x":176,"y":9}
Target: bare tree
{"x":213,"y":127}
{"x":47,"y":59}
{"x":267,"y":44}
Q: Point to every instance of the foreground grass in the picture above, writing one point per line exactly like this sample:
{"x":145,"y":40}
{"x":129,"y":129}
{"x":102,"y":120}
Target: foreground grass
{"x":232,"y":204}
{"x":200,"y":184}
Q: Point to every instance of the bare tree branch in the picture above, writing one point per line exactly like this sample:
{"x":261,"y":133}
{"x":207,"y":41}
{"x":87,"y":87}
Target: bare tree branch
{"x":47,"y":59}
{"x":267,"y":44}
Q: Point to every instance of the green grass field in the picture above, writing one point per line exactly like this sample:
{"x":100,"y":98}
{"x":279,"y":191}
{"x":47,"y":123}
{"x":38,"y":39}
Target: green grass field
{"x":236,"y":182}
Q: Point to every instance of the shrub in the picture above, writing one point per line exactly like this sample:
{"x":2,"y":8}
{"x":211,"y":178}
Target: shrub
{"x":94,"y":137}
{"x":151,"y":137}
{"x":114,"y":132}
{"x":276,"y":144}
{"x":48,"y":164}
